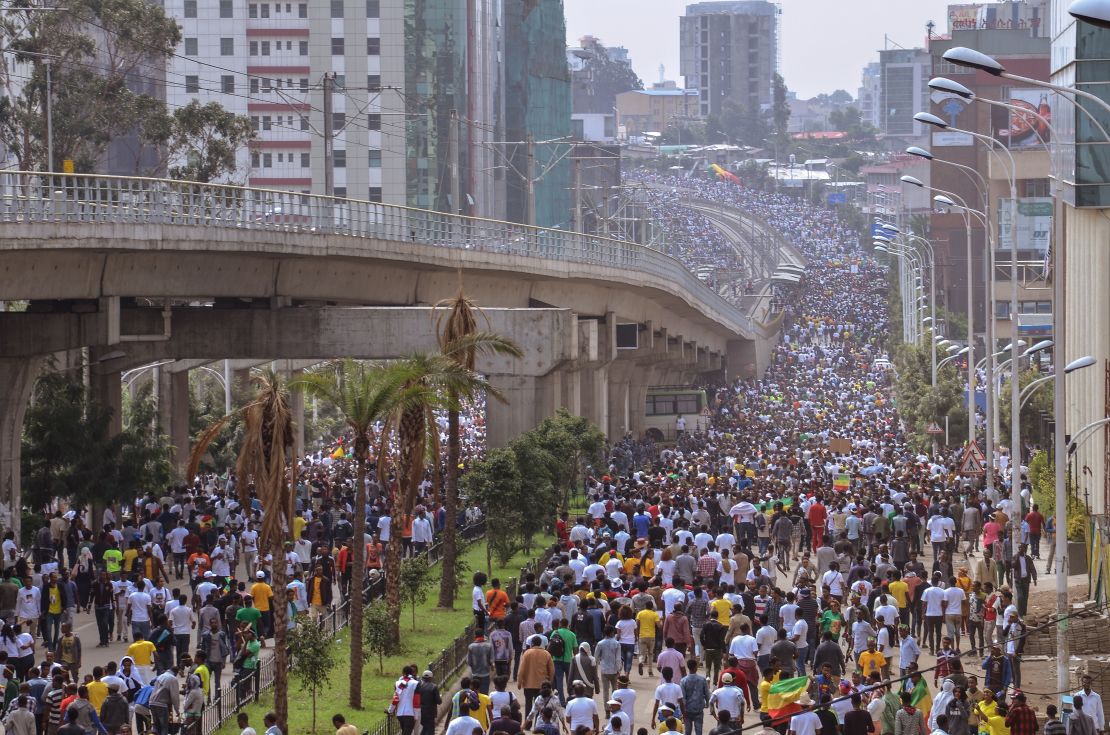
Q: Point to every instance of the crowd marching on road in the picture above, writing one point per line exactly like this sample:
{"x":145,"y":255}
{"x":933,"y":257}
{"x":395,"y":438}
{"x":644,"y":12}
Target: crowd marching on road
{"x":753,"y":577}
{"x":749,"y":576}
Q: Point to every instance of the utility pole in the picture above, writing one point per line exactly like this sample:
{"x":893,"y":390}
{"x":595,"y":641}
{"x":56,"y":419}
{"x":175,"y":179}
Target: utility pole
{"x":530,"y":182}
{"x":453,"y":153}
{"x":49,"y":121}
{"x":577,"y":195}
{"x":329,"y":135}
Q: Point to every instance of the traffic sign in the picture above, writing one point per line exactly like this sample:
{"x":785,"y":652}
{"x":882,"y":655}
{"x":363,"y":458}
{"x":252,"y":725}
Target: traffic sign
{"x":934,"y":428}
{"x":973,"y":461}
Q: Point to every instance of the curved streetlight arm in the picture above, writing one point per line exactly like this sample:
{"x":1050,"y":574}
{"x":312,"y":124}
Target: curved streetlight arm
{"x":949,"y":359}
{"x":1085,"y":433}
{"x":1028,"y":391}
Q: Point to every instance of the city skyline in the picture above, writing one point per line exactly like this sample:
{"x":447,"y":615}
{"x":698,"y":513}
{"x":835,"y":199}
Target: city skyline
{"x":903,"y":21}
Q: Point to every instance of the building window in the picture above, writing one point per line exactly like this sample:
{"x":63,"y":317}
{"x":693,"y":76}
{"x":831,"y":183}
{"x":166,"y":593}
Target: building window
{"x":339,"y":158}
{"x":337,"y":8}
{"x":254,"y":85}
{"x":227,"y":84}
{"x":340,"y":81}
{"x":375,"y":193}
{"x":374,"y":121}
{"x":375,"y":159}
{"x":302,"y":10}
{"x":265,"y":48}
{"x":256,"y":160}
{"x":254,"y":122}
{"x":1002,"y":309}
{"x":252,"y":10}
{"x":338,"y":120}
{"x":190,"y":8}
{"x":1036,"y":188}
{"x":304,"y":84}
{"x":304,"y":123}
{"x":264,"y":8}
{"x":302,"y":47}
{"x":226,"y":9}
{"x":373,"y":8}
{"x":341,"y":191}
{"x":192,"y":84}
{"x":267,"y":160}
{"x":373,"y":81}
{"x":373,"y":47}
{"x":337,"y":47}
{"x":305,"y":160}
{"x":267,"y":85}
{"x":266,"y":122}
{"x":253,"y":48}
{"x":190,"y":47}
{"x":227,"y":47}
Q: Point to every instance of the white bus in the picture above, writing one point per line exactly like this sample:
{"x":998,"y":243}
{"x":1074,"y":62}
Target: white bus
{"x":666,"y":403}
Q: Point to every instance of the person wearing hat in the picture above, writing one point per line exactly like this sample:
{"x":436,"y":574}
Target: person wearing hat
{"x":626,"y":695}
{"x":262,"y":594}
{"x":618,"y":722}
{"x":430,"y":700}
{"x":805,"y":722}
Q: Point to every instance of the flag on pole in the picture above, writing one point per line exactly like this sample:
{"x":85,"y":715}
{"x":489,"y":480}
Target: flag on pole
{"x":841,"y":483}
{"x":782,"y":698}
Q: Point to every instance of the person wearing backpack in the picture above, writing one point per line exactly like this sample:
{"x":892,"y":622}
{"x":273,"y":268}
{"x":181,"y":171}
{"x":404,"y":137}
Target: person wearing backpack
{"x":562,"y":645}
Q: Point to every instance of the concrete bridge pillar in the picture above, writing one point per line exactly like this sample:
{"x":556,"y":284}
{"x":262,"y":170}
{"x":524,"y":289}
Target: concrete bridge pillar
{"x":528,"y":401}
{"x":173,"y":416}
{"x":17,"y":375}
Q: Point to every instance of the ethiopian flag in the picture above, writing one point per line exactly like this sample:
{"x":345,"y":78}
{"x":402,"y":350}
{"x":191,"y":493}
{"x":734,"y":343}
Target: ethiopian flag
{"x":921,"y":698}
{"x":782,"y":698}
{"x":841,"y":483}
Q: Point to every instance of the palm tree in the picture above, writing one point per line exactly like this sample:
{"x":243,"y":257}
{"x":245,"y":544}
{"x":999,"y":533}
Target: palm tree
{"x":267,"y":446}
{"x":364,"y":394}
{"x":430,"y":382}
{"x":457,"y":326}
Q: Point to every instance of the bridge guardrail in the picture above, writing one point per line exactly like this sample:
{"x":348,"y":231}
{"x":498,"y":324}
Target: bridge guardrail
{"x":40,"y":197}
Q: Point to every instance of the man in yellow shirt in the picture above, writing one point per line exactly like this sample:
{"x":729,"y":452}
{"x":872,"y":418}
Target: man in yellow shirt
{"x":98,"y":690}
{"x":648,"y":622}
{"x":871,"y":661}
{"x":262,"y":594}
{"x":721,"y":607}
{"x":142,"y":653}
{"x":298,"y":526}
{"x":900,"y":591}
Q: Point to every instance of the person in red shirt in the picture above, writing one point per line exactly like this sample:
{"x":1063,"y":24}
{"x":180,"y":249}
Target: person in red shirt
{"x":1036,"y":528}
{"x":817,"y":517}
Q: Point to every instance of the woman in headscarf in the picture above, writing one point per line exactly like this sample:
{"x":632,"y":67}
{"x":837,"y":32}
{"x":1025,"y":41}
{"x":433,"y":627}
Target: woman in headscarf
{"x":940,"y":704}
{"x":132,"y":679}
{"x":82,"y":574}
{"x":584,"y":669}
{"x":193,"y":706}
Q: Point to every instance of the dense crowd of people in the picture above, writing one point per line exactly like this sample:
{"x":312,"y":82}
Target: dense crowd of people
{"x":797,"y":566}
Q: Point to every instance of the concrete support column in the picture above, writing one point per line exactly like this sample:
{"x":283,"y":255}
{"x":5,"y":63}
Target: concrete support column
{"x":528,"y":401}
{"x":173,"y":416}
{"x":296,"y":405}
{"x":570,"y":390}
{"x":642,"y":379}
{"x":595,"y":395}
{"x":18,"y":378}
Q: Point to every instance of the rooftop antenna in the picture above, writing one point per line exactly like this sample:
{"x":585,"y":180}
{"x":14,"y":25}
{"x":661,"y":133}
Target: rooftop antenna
{"x":929,"y":30}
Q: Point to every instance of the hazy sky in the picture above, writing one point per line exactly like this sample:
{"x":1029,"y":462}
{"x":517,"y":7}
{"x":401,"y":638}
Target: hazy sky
{"x":825,"y":42}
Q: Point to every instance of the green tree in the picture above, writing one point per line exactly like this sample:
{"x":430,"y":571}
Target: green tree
{"x":1040,"y":401}
{"x":375,"y":633}
{"x":495,"y":485}
{"x":97,"y":50}
{"x":145,"y":455}
{"x":920,"y":403}
{"x":574,"y":441}
{"x":1042,"y":478}
{"x":780,"y":108}
{"x":416,"y":582}
{"x":457,"y":320}
{"x":601,"y":80}
{"x":205,"y":138}
{"x":363,"y":393}
{"x":314,"y":659}
{"x":742,"y":124}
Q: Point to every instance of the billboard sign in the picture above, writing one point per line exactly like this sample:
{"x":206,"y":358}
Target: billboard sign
{"x":1034,"y":223}
{"x":1023,"y":130}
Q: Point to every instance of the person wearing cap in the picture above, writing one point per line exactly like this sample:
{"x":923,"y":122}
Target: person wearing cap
{"x":430,"y":700}
{"x":618,"y":723}
{"x":626,"y":695}
{"x":262,"y":594}
{"x":727,"y":698}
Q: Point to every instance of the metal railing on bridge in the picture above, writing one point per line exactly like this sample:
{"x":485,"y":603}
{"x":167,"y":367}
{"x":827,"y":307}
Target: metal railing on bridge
{"x":33,"y":197}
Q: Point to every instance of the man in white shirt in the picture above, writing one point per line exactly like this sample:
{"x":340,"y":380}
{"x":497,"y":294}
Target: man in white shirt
{"x":1092,"y":704}
{"x":183,"y":621}
{"x":727,"y":698}
{"x":248,"y":541}
{"x":421,"y":531}
{"x":176,"y":539}
{"x":933,"y":597}
{"x":138,"y":611}
{"x":581,"y":710}
{"x":953,"y":605}
{"x":626,"y":695}
{"x":27,"y":607}
{"x":806,"y":722}
{"x":383,"y":529}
